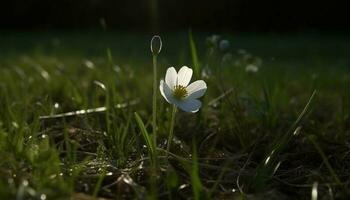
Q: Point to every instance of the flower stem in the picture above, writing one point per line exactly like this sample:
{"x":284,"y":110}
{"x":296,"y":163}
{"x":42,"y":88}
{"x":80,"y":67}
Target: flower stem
{"x":156,"y":47}
{"x":154,"y":117}
{"x":172,"y":124}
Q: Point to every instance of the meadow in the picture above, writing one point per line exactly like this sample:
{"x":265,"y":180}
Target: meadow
{"x":76,"y":117}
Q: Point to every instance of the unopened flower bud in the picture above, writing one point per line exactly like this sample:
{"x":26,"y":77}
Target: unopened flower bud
{"x":156,"y":44}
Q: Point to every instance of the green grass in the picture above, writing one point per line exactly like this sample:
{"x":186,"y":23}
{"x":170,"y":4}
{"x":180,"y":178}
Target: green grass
{"x":265,"y":135}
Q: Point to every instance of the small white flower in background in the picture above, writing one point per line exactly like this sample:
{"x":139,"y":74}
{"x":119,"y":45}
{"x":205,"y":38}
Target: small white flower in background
{"x":116,"y":68}
{"x":177,"y":90}
{"x":251,"y":68}
{"x":206,"y":73}
{"x":89,"y":64}
{"x":224,"y":45}
{"x":213,"y":40}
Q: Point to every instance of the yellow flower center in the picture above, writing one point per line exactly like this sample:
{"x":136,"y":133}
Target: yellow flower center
{"x":179,"y":92}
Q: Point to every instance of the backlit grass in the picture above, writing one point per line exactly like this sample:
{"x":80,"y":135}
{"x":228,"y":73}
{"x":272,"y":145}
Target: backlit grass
{"x":281,"y":132}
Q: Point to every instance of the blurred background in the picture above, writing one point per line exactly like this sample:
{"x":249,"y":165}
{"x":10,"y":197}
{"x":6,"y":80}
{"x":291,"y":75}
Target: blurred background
{"x":170,"y":15}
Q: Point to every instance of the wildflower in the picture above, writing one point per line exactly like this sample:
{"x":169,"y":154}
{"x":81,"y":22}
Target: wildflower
{"x":89,"y":64}
{"x":213,"y":40}
{"x":224,"y":45}
{"x":251,"y":68}
{"x":177,"y":90}
{"x":206,"y":73}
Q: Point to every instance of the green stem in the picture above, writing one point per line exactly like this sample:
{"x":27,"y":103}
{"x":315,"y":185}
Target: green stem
{"x":154,"y":127}
{"x":154,"y":120}
{"x":172,"y":123}
{"x":156,"y":46}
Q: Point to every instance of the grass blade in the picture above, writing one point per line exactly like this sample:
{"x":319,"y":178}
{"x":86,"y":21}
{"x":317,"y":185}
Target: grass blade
{"x":152,"y":152}
{"x":145,"y":134}
{"x":195,"y":179}
{"x":325,"y":160}
{"x":267,"y":167}
{"x":98,"y":185}
{"x":194,"y":54}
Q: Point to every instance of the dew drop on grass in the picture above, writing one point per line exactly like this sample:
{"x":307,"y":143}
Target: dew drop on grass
{"x":141,"y":165}
{"x":276,"y":168}
{"x":128,"y":180}
{"x":109,"y":174}
{"x":267,"y":160}
{"x":100,"y":84}
{"x":269,"y":157}
{"x":183,"y":186}
{"x":297,"y":131}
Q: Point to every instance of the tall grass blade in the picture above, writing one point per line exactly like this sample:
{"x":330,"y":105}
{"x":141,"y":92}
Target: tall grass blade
{"x":194,"y":54}
{"x":98,"y":185}
{"x":152,"y":152}
{"x":195,"y":179}
{"x":145,"y":134}
{"x":324,"y":158}
{"x":109,"y":57}
{"x":267,"y":167}
{"x":219,"y":179}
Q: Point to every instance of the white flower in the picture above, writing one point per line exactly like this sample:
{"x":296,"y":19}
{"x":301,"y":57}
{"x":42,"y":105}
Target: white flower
{"x":251,"y":68}
{"x":224,"y":45}
{"x":176,"y":89}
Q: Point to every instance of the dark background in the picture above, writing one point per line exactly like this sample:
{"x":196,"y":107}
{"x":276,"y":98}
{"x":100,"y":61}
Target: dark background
{"x":153,"y":15}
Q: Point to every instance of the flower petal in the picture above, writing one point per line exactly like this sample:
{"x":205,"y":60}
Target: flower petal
{"x":190,"y":105}
{"x":184,"y":76}
{"x":196,"y":89}
{"x":165,"y":91}
{"x":171,"y":77}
